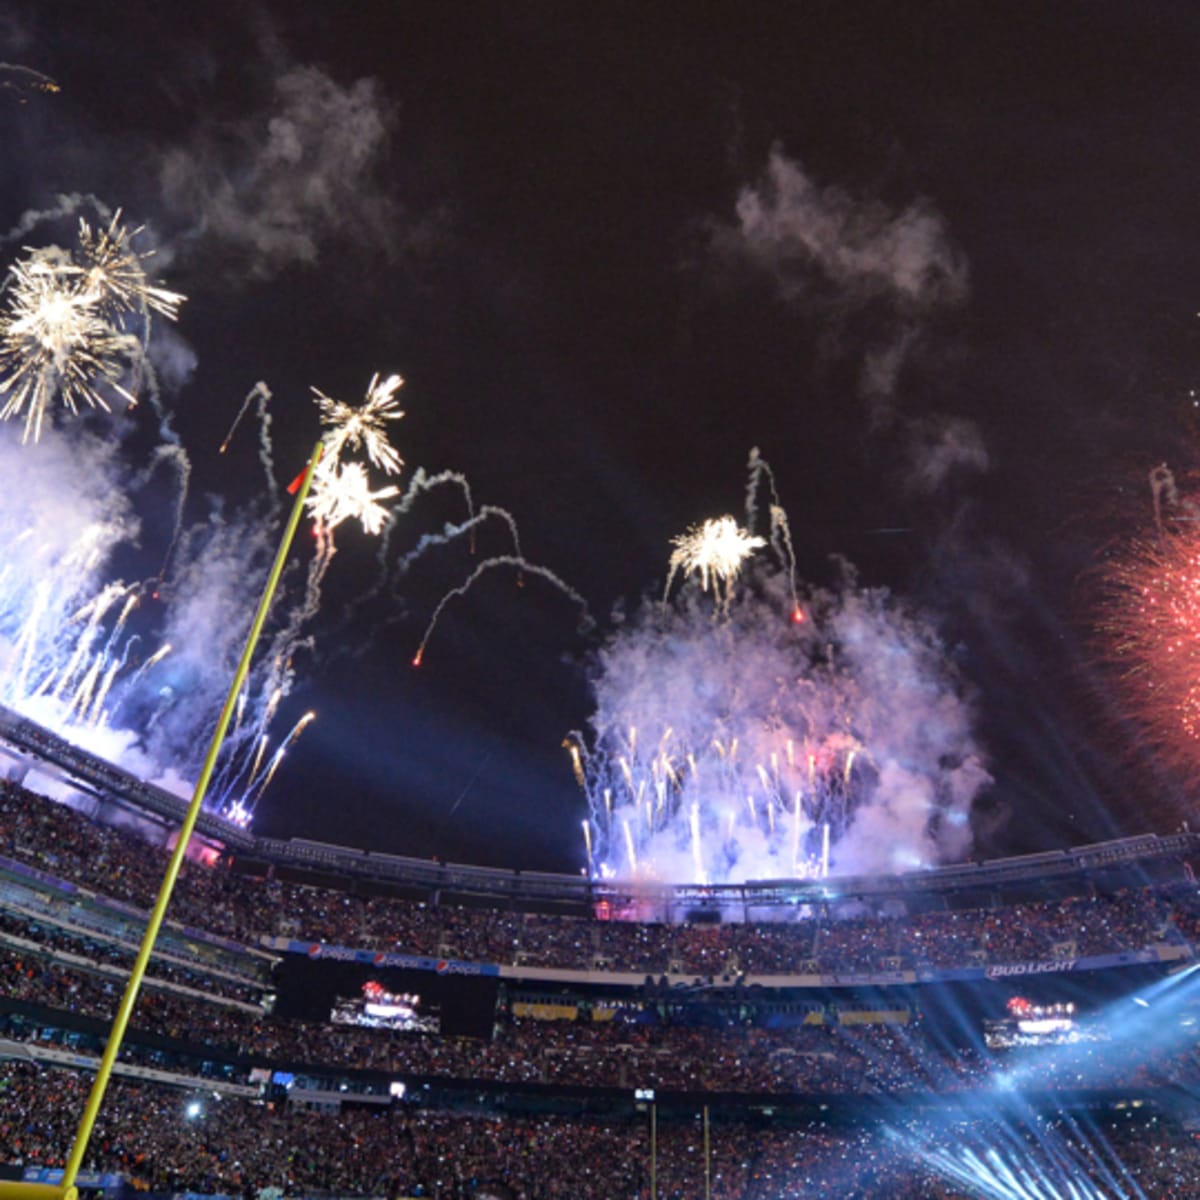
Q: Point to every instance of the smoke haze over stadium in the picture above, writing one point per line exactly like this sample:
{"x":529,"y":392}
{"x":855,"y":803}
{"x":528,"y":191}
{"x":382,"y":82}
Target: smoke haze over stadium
{"x":937,"y":265}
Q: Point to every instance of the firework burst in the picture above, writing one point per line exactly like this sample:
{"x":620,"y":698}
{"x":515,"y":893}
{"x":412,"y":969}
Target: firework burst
{"x":342,"y":491}
{"x":716,"y":551}
{"x":364,"y":427}
{"x":75,"y":326}
{"x":112,"y":271}
{"x":1151,"y":623}
{"x":54,"y":341}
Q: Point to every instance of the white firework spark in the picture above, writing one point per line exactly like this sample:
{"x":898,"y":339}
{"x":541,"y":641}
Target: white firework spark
{"x":113,"y":271}
{"x":55,"y":341}
{"x":67,"y":330}
{"x":364,"y":427}
{"x":342,"y":491}
{"x":715,"y":551}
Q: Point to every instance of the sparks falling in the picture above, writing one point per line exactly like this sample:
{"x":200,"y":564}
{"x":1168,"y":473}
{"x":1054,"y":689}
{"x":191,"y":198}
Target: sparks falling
{"x":1151,"y":624}
{"x":760,"y":746}
{"x":75,"y":326}
{"x":365,"y":427}
{"x":342,"y":491}
{"x":715,"y":551}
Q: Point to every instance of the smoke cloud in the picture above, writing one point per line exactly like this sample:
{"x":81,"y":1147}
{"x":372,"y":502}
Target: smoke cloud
{"x":803,"y":234}
{"x":724,"y":749}
{"x":85,"y":652}
{"x":840,"y":257}
{"x":939,"y":448}
{"x":285,"y":179}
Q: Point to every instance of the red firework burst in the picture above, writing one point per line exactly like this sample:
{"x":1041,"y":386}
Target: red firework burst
{"x":1153,"y":631}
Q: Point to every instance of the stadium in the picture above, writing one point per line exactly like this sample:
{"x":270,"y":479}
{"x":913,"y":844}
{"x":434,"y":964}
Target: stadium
{"x":515,"y":801}
{"x":333,"y":1022}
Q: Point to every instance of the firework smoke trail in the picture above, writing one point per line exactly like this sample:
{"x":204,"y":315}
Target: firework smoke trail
{"x":1162,"y":491}
{"x":259,"y":395}
{"x":18,"y":80}
{"x":758,"y":469}
{"x":265,"y":453}
{"x":523,"y":567}
{"x":754,"y":747}
{"x":259,"y":391}
{"x":169,"y":453}
{"x":451,"y":531}
{"x":1168,"y":503}
{"x":420,"y":483}
{"x":69,"y":204}
{"x":780,"y":534}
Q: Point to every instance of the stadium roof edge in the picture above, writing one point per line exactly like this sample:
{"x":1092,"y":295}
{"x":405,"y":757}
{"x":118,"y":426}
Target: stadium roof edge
{"x":105,"y":779}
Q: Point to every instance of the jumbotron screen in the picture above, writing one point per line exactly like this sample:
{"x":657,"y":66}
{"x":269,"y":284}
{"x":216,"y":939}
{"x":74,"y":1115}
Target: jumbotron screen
{"x":1030,"y":1024}
{"x":374,"y":1007}
{"x":350,"y":993}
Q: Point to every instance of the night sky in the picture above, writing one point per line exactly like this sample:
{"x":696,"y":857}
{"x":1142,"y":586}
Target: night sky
{"x":937,"y":261}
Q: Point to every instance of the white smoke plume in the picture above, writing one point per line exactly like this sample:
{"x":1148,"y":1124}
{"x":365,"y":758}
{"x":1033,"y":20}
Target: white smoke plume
{"x":285,"y":179}
{"x":939,"y":448}
{"x":721,"y":751}
{"x":135,"y":670}
{"x":839,"y":256}
{"x":64,"y":514}
{"x":221,"y":566}
{"x":801,"y":233}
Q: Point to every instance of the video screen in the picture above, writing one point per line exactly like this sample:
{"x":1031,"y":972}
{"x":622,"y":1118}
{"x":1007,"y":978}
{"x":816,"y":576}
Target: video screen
{"x":376,"y":1008}
{"x":1027,"y":1023}
{"x":385,"y":998}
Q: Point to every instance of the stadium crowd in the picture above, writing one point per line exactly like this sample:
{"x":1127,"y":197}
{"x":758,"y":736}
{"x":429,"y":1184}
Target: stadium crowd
{"x":236,"y":1146}
{"x":825,"y":1058}
{"x":118,"y":864}
{"x":119,"y":955}
{"x":169,"y":1141}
